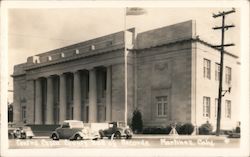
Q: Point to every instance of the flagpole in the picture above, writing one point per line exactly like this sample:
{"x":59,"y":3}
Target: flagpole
{"x":125,"y":70}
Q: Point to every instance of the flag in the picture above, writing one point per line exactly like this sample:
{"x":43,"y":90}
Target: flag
{"x":135,"y":11}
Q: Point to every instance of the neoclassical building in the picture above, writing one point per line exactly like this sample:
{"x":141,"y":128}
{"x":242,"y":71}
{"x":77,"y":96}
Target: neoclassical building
{"x":168,"y":73}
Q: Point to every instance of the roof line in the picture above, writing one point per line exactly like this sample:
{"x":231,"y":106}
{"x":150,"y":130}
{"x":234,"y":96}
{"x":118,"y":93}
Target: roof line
{"x":196,"y":39}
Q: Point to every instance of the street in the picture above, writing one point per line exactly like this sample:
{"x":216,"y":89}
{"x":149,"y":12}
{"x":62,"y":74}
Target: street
{"x":138,"y":141}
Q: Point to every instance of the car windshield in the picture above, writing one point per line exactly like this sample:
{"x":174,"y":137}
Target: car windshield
{"x":76,"y":124}
{"x":121,"y":124}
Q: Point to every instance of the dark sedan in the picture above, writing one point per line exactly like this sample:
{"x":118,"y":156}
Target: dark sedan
{"x":116,"y":130}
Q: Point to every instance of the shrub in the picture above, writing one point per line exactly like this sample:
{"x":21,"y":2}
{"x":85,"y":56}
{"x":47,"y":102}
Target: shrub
{"x":186,"y":129}
{"x":205,"y":129}
{"x":237,"y":130}
{"x":137,"y":123}
{"x":155,"y":130}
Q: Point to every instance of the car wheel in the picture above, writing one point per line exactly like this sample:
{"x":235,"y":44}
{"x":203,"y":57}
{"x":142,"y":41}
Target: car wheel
{"x":101,"y":133}
{"x":54,"y":137}
{"x":23,"y":136}
{"x":78,"y":137}
{"x":117,"y":135}
{"x":30,"y":137}
{"x":11,"y":136}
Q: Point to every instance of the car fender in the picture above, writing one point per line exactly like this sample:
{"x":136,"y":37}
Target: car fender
{"x":54,"y":132}
{"x":29,"y":133}
{"x":77,"y":133}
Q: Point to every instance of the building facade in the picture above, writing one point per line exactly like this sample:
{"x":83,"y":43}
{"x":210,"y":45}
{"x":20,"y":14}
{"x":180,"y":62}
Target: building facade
{"x":168,"y":73}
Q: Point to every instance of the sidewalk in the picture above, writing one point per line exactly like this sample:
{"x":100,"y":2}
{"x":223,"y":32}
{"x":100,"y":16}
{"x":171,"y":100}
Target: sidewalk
{"x":165,"y":136}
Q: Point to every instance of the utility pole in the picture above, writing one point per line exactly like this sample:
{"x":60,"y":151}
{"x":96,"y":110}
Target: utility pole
{"x":221,"y":47}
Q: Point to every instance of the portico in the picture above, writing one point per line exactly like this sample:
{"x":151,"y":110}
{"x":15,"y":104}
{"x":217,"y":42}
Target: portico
{"x":73,"y":95}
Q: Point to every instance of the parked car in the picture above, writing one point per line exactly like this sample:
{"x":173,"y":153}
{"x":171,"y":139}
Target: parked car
{"x":74,"y":130}
{"x":117,"y":130}
{"x":234,"y":135}
{"x":20,"y":131}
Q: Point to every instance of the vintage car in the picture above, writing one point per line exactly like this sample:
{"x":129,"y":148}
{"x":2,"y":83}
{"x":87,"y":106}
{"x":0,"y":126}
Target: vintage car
{"x":20,"y":131}
{"x":74,"y":130}
{"x":233,"y":135}
{"x":116,"y":130}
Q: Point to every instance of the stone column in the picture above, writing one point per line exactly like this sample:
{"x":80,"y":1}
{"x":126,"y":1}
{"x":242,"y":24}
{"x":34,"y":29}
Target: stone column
{"x":77,"y":96}
{"x":108,"y":94}
{"x":62,"y":98}
{"x":38,"y":102}
{"x":92,"y":96}
{"x":50,"y":103}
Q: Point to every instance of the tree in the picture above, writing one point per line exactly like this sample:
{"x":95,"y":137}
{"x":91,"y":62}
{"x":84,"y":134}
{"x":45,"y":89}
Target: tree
{"x":137,"y":123}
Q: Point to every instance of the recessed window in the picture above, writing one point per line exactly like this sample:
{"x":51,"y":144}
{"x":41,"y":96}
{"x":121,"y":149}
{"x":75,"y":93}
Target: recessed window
{"x":162,"y":105}
{"x":228,"y":109}
{"x":217,"y":71}
{"x":92,"y":47}
{"x":49,"y":58}
{"x":207,"y":68}
{"x":206,"y":106}
{"x":62,"y":55}
{"x":228,"y":75}
{"x":77,"y":51}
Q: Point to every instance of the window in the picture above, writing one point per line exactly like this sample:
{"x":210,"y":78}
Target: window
{"x":65,"y":125}
{"x":206,"y":106}
{"x":228,"y":75}
{"x":217,"y":71}
{"x":206,"y":68}
{"x":228,"y":109}
{"x":161,"y":105}
{"x":215,"y":107}
{"x":23,"y":112}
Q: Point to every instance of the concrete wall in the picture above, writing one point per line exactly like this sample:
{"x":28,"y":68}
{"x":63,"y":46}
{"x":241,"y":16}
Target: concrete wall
{"x":176,"y":32}
{"x":22,"y":97}
{"x":118,"y":92}
{"x":165,"y":71}
{"x":131,"y":85}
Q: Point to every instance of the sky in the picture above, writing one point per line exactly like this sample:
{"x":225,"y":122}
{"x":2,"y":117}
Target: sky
{"x":34,"y":31}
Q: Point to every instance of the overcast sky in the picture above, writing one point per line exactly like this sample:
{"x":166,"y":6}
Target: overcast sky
{"x":34,"y":31}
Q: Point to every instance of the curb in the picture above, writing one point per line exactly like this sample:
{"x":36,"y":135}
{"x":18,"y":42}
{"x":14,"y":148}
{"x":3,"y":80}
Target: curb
{"x":179,"y":137}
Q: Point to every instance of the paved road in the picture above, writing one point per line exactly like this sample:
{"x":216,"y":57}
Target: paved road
{"x":136,"y":142}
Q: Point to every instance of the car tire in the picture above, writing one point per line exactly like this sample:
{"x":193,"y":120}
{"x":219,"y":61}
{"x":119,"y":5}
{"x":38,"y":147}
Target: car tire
{"x":23,"y":136}
{"x":54,"y":137}
{"x":78,"y":137}
{"x":11,"y":136}
{"x":101,"y":133}
{"x":118,"y":135}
